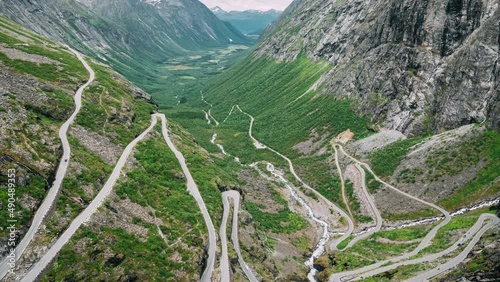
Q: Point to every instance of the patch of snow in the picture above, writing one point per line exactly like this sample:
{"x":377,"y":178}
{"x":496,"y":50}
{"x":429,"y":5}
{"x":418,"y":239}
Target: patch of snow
{"x":152,"y":2}
{"x":217,"y":9}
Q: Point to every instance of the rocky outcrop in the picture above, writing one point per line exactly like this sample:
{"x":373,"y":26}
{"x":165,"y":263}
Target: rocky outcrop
{"x":410,"y":65}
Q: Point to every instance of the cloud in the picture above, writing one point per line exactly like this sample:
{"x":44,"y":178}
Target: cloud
{"x":240,"y":5}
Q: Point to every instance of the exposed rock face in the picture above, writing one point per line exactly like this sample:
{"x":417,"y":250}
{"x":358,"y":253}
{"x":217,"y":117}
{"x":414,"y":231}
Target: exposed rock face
{"x":97,"y":144}
{"x":412,"y":65}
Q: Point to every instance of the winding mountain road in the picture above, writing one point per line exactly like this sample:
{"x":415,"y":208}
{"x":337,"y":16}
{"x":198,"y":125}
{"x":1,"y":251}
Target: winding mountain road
{"x":349,"y":275}
{"x":256,"y":142}
{"x":372,"y":206}
{"x":393,"y":263}
{"x":51,"y":197}
{"x":463,"y":255}
{"x":85,"y":215}
{"x":320,"y":247}
{"x":342,"y":182}
{"x":475,"y":232}
{"x":193,"y":190}
{"x":234,"y":237}
{"x":106,"y":190}
{"x":260,"y":145}
{"x":209,"y":113}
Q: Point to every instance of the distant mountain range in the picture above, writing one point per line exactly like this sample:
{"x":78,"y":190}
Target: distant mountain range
{"x":128,"y":34}
{"x":250,"y":22}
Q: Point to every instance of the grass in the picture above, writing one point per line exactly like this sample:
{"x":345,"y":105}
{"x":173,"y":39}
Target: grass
{"x":453,"y":161}
{"x":85,"y":170}
{"x":37,"y":135}
{"x":138,"y":260}
{"x":177,"y":73}
{"x":386,"y":160}
{"x":369,"y":251}
{"x":303,"y":243}
{"x":211,"y":175}
{"x":445,"y":237}
{"x":110,"y":107}
{"x":45,"y":72}
{"x":155,"y":182}
{"x":284,"y":221}
{"x":371,"y":183}
{"x":355,"y":204}
{"x":68,"y":67}
{"x":404,"y":234}
{"x":485,"y":183}
{"x":279,"y":123}
{"x":34,"y":188}
{"x":418,"y":214}
{"x":269,"y":96}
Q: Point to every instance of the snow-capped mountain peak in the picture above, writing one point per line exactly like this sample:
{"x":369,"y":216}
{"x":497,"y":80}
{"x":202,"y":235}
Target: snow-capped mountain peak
{"x":217,"y":9}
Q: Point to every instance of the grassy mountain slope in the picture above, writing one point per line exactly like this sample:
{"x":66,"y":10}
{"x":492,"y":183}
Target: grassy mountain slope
{"x":40,"y":78}
{"x":132,"y":36}
{"x":123,"y":240}
{"x":268,"y":89}
{"x":288,"y":110}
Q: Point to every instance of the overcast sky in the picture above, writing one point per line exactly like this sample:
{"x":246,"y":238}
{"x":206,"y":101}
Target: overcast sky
{"x":240,"y":5}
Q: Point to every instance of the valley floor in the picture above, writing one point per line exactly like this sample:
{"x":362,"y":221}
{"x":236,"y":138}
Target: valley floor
{"x":282,"y":227}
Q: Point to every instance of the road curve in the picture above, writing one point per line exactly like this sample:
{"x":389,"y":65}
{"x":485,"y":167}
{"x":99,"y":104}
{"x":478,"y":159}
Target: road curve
{"x":106,"y":190}
{"x":372,"y":206}
{"x":461,"y":257}
{"x":228,"y":115}
{"x":342,"y":182}
{"x":84,"y":216}
{"x":193,"y":190}
{"x":234,"y":237}
{"x":423,"y":244}
{"x":477,"y":230}
{"x":444,"y":212}
{"x":209,"y":111}
{"x":342,"y":213}
{"x":210,"y":114}
{"x":61,"y":172}
{"x":256,"y":142}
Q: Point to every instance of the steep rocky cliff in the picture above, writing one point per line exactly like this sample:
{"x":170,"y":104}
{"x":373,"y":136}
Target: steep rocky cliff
{"x":410,"y":65}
